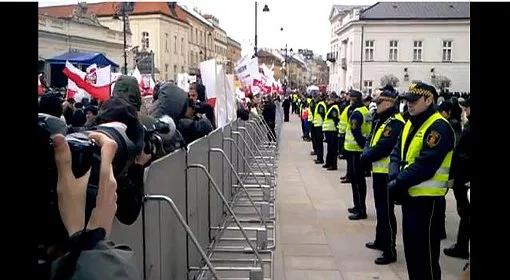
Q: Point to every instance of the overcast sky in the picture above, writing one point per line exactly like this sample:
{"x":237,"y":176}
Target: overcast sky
{"x":305,"y":23}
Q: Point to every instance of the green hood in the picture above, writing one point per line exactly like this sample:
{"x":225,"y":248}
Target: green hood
{"x":127,"y":88}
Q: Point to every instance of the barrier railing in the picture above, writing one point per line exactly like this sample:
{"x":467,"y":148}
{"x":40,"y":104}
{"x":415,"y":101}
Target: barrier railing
{"x":228,"y":232}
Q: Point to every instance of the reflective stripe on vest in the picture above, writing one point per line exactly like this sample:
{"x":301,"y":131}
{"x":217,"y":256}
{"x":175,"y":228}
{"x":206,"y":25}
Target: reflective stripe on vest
{"x":435,"y":186}
{"x":344,"y":119}
{"x":382,"y":165}
{"x":329,"y":124}
{"x":310,"y":116}
{"x":350,"y":143}
{"x":317,"y":118}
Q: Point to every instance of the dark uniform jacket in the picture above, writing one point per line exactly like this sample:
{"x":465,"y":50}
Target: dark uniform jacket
{"x":431,"y":156}
{"x":388,"y":138}
{"x":460,"y":169}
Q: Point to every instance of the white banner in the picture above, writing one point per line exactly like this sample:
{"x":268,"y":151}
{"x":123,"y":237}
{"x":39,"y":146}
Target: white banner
{"x":231,"y":98}
{"x":221,"y":99}
{"x":247,"y":70}
{"x":208,"y":73}
{"x":183,"y":81}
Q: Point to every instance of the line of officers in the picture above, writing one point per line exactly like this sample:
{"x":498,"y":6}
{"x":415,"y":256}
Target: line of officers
{"x":409,"y":155}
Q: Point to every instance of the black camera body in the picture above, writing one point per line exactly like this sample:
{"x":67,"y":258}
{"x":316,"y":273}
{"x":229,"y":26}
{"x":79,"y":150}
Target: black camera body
{"x":160,"y":136}
{"x":86,"y":155}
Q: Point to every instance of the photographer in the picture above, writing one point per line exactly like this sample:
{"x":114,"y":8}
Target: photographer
{"x":89,"y":256}
{"x":175,"y":103}
{"x":200,"y":106}
{"x":130,"y":181}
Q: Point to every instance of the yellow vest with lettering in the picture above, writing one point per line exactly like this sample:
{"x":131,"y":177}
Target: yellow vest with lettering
{"x":437,"y":185}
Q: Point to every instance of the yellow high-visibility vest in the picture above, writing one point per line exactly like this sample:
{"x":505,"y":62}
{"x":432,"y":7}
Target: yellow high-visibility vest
{"x":382,"y":165}
{"x":350,"y":143}
{"x":317,"y":118}
{"x":344,"y":119}
{"x":329,"y":123}
{"x":437,"y":185}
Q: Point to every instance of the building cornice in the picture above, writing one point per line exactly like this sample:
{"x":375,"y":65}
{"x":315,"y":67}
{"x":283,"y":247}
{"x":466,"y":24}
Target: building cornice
{"x":85,"y":39}
{"x":400,"y":22}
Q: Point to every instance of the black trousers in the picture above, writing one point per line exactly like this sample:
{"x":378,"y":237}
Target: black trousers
{"x":421,"y":230}
{"x":286,"y":114}
{"x":341,"y":139}
{"x":271,"y":129}
{"x":293,"y":107}
{"x":319,"y":145}
{"x":463,"y":209}
{"x":348,"y":160}
{"x":331,"y":156}
{"x":386,"y":228}
{"x":358,"y":183}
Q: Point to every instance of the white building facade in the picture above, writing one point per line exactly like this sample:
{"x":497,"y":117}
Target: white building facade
{"x":407,"y":40}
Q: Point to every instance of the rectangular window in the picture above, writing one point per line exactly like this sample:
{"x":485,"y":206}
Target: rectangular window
{"x":175,"y":72}
{"x":196,"y":36}
{"x":166,"y":72}
{"x":182,"y":69}
{"x":393,"y":50}
{"x":369,"y":50}
{"x":417,"y":50}
{"x":447,"y":51}
{"x":145,"y":39}
{"x":191,"y":57}
{"x":182,"y":46}
{"x":367,"y":86}
{"x":191,"y":34}
{"x":166,"y":42}
{"x":175,"y":43}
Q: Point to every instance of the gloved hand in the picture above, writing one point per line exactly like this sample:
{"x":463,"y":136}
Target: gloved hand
{"x":395,"y":194}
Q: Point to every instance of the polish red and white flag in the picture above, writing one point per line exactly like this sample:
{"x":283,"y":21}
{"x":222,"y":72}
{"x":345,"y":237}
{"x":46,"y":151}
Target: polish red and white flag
{"x":79,"y":78}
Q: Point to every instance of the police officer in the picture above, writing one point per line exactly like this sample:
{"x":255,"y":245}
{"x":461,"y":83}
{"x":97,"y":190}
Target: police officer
{"x":356,"y":133}
{"x":419,"y":167}
{"x":460,"y":174}
{"x":311,"y":109}
{"x":346,"y":111}
{"x":318,"y":117}
{"x":329,"y":127}
{"x":386,"y":129}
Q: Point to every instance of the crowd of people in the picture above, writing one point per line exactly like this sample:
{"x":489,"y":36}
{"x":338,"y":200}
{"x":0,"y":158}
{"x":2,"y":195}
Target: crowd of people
{"x":415,"y":146}
{"x":123,"y":128}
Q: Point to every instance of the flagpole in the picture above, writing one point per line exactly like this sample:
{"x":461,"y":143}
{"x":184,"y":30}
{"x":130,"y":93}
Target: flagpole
{"x":225,"y":91}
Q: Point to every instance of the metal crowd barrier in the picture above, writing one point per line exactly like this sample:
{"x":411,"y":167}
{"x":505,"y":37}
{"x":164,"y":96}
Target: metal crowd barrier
{"x":209,"y":211}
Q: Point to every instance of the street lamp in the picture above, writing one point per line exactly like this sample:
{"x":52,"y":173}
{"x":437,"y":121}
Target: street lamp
{"x":287,"y":74}
{"x":265,"y":9}
{"x":123,"y":10}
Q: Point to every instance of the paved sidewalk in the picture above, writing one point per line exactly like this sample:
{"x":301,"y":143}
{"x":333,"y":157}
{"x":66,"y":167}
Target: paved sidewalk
{"x":316,"y":240}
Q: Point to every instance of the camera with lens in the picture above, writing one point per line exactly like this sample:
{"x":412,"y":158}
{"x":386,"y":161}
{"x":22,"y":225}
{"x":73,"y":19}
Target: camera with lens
{"x":155,"y":129}
{"x":86,"y":155}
